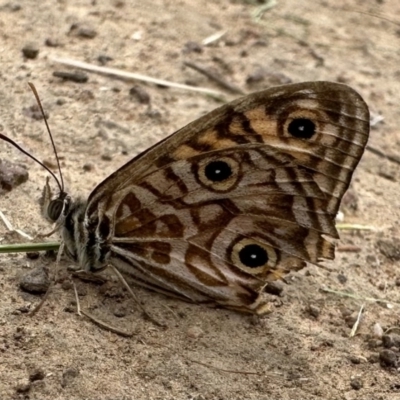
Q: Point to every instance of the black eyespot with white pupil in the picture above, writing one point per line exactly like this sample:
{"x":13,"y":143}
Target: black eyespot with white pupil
{"x":253,"y":256}
{"x":302,"y":128}
{"x":217,"y":171}
{"x":219,"y":174}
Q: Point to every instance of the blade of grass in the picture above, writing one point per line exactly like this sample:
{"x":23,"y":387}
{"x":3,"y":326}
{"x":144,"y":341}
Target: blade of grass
{"x":28,"y":247}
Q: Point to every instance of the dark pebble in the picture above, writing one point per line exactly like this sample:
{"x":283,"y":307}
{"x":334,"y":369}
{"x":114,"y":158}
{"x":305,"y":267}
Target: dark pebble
{"x":275,"y":288}
{"x":11,"y":175}
{"x":342,"y":278}
{"x":88,"y":167}
{"x":34,"y":112}
{"x":30,"y":51}
{"x":139,"y":94}
{"x":355,"y":360}
{"x":356,"y":383}
{"x":36,"y":375}
{"x":106,"y":157}
{"x":60,"y":101}
{"x":32,"y":255}
{"x":314,"y":311}
{"x":35,"y":281}
{"x":23,"y":388}
{"x":192,"y":47}
{"x":120,"y":311}
{"x":388,"y":358}
{"x":78,"y":77}
{"x":391,"y":340}
{"x":103,"y":59}
{"x":50,"y":42}
{"x":83,"y":31}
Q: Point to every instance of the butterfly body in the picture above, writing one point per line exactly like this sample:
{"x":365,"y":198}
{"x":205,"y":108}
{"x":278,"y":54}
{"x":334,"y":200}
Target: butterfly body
{"x":239,"y":197}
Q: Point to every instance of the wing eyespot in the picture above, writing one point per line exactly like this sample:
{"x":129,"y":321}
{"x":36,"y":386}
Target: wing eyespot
{"x":220,"y":174}
{"x":303,"y":124}
{"x":253,"y":257}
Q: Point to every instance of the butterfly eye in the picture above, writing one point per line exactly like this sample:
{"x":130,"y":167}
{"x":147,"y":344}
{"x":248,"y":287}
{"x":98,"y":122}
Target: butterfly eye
{"x":56,"y":207}
{"x":302,"y":128}
{"x":253,"y":257}
{"x":220,"y":174}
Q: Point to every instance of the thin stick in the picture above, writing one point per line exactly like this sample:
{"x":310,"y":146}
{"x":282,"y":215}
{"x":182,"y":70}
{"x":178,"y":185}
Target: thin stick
{"x":125,"y":283}
{"x":6,"y":222}
{"x":78,"y":303}
{"x":357,"y":297}
{"x":213,"y":38}
{"x":214,"y":77}
{"x":379,"y":153}
{"x":9,"y":226}
{"x":357,"y":227}
{"x":357,"y":323}
{"x":106,"y":326}
{"x":132,"y":76}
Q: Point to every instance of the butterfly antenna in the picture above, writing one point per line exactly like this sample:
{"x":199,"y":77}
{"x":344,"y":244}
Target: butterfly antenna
{"x":32,"y":86}
{"x":7,"y":139}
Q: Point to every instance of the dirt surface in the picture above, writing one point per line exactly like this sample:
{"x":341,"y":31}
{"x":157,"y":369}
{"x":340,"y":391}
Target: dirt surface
{"x":301,"y":350}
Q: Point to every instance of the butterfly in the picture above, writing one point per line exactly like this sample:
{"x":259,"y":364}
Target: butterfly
{"x":235,"y":199}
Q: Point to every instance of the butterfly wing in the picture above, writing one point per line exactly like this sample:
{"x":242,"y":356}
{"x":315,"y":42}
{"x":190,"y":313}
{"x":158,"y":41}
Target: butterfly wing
{"x":239,"y":197}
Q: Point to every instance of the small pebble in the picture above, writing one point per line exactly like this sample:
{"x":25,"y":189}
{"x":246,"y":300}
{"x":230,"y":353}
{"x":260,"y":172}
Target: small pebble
{"x":120,"y":311}
{"x":342,"y":278}
{"x":139,"y":94}
{"x":274,"y":287}
{"x":192,"y":47}
{"x":392,"y":340}
{"x":11,"y":175}
{"x":355,"y":360}
{"x":82,"y":30}
{"x":388,"y":358}
{"x":50,"y":42}
{"x":78,"y":77}
{"x":34,"y":112}
{"x":32,"y":255}
{"x":356,"y":383}
{"x":88,"y":167}
{"x":60,"y":101}
{"x":106,"y":157}
{"x":35,"y":281}
{"x":314,"y":311}
{"x":36,"y":375}
{"x":23,"y":387}
{"x":377,"y":330}
{"x":30,"y":51}
{"x":195,"y":332}
{"x":103,"y":59}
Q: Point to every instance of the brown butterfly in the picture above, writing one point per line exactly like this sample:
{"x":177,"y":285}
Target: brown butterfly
{"x":237,"y":198}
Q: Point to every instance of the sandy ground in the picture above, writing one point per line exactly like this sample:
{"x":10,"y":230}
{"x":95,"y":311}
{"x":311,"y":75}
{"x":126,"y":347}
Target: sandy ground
{"x":301,"y":350}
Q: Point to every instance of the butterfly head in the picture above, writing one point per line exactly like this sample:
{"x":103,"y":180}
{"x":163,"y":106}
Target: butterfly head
{"x":54,"y":207}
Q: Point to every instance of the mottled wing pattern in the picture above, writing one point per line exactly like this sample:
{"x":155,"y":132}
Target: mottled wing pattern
{"x":238,"y":197}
